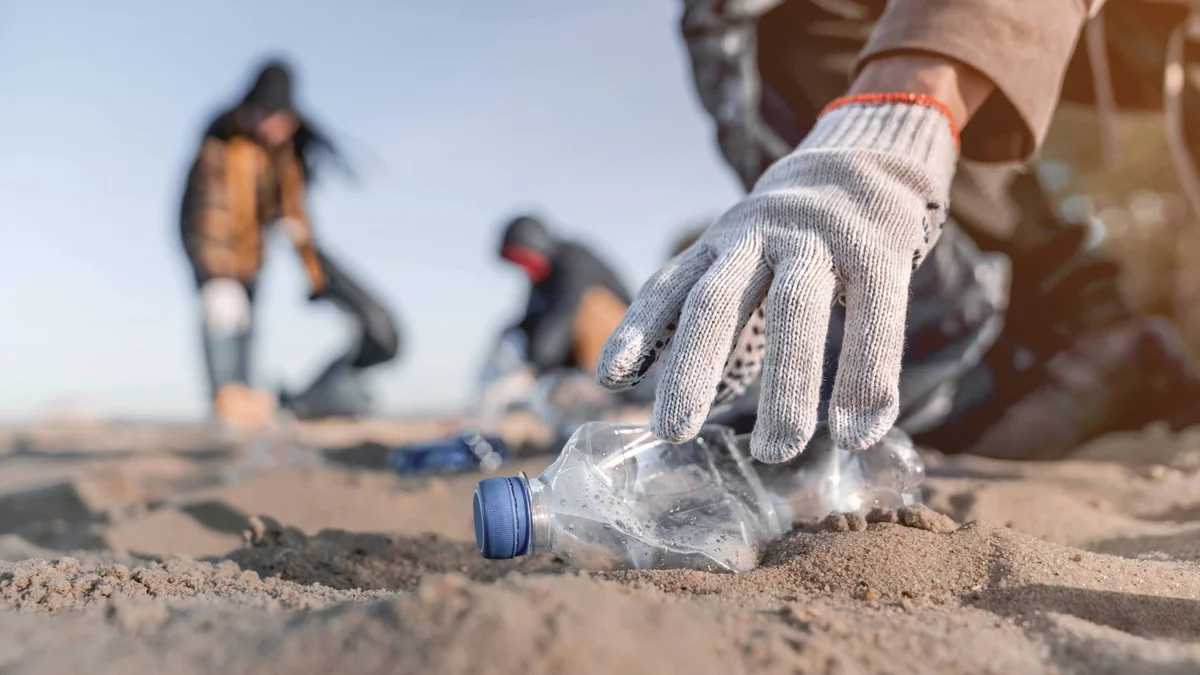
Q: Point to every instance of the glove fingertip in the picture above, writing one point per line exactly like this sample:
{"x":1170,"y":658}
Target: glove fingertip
{"x":774,"y":449}
{"x":859,"y":432}
{"x":620,"y":377}
{"x":674,"y":428}
{"x":614,"y":383}
{"x":624,"y":362}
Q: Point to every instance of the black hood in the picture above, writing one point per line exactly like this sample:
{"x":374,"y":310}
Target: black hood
{"x":531,"y":233}
{"x":272,"y":90}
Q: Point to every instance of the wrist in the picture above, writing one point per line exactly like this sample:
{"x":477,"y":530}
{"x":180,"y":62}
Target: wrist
{"x":914,"y":126}
{"x":962,"y":90}
{"x":906,"y":130}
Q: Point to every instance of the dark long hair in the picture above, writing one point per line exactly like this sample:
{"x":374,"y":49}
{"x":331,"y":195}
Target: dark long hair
{"x":314,"y":148}
{"x":271,"y":93}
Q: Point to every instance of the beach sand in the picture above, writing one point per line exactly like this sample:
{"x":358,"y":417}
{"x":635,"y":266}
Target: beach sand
{"x":143,"y":549}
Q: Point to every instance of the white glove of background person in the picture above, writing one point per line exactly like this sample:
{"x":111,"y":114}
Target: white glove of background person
{"x":848,"y":215}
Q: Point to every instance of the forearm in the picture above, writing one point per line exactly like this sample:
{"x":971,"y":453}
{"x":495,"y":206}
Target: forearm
{"x":1021,"y":47}
{"x":312,"y":267}
{"x":960,"y":88}
{"x":296,"y":221}
{"x":300,"y":233}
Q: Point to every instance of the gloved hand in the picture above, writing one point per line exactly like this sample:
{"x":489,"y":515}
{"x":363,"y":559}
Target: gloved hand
{"x":849,"y":215}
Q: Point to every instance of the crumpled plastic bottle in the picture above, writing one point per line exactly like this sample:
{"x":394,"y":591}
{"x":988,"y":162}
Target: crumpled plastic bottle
{"x":619,"y":498}
{"x":823,"y":479}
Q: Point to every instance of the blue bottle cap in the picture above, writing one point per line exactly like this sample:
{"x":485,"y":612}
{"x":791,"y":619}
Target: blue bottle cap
{"x":502,"y":518}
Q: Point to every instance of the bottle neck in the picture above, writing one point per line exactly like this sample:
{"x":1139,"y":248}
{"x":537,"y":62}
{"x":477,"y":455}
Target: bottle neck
{"x":539,"y":516}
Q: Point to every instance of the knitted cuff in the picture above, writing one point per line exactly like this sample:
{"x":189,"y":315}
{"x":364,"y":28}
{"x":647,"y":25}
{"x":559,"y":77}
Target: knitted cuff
{"x":894,"y":97}
{"x":913,"y":125}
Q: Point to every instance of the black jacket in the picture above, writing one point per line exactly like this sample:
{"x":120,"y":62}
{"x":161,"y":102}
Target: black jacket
{"x":549,"y":322}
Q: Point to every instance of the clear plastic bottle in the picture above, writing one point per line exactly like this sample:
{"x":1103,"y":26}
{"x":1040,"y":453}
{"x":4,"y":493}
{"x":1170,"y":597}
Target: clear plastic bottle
{"x":618,"y":498}
{"x":824,"y":479}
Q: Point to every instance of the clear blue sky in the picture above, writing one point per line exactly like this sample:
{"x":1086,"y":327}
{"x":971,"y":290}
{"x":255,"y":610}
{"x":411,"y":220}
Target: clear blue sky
{"x":462,"y":113}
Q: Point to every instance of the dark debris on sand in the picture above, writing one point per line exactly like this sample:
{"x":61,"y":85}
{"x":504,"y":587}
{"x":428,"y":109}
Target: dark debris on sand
{"x":346,"y":560}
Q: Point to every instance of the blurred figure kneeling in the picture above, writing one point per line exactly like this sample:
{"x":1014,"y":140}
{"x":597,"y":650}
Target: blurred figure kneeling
{"x":547,"y":360}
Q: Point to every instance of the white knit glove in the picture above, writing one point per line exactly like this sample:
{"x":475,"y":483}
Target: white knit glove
{"x":848,"y":215}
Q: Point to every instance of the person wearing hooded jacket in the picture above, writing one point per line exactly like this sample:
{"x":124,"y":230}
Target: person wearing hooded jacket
{"x":253,"y":168}
{"x":545,"y":362}
{"x":575,"y":299}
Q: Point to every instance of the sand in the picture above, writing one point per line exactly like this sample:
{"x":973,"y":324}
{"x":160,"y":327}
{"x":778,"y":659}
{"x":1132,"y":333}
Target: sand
{"x":184,"y":551}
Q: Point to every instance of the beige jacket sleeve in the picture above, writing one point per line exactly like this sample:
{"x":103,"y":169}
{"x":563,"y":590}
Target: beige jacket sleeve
{"x":1022,"y":46}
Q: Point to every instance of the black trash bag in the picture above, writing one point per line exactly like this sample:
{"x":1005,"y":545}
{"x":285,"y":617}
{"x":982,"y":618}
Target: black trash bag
{"x":341,"y":388}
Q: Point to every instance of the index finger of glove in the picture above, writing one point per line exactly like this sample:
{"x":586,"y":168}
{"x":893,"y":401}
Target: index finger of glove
{"x":639,"y":339}
{"x":716,"y":309}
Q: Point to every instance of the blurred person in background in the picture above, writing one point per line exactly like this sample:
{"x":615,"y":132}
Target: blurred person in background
{"x":575,"y":298}
{"x":1015,"y":341}
{"x":254,"y":166}
{"x":546,"y":360}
